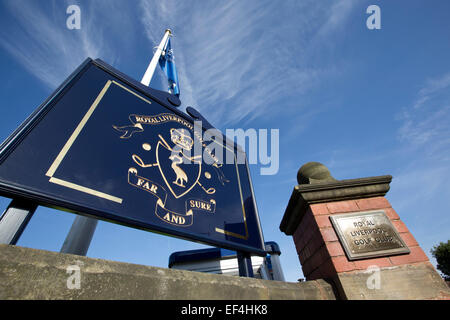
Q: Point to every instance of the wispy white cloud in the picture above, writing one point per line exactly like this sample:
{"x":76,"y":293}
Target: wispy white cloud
{"x":420,"y":189}
{"x":236,"y":58}
{"x":338,"y":13}
{"x":48,"y":50}
{"x":426,"y":125}
{"x":427,"y":182}
{"x":432,"y":88}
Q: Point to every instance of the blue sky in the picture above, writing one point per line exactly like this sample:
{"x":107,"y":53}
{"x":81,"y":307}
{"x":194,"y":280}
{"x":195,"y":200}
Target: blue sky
{"x":363,"y":102}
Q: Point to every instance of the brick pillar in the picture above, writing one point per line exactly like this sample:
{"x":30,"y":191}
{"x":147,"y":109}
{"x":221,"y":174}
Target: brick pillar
{"x":321,"y":253}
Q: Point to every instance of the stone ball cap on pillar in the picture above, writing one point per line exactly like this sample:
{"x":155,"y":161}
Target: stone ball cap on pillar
{"x":314,"y":172}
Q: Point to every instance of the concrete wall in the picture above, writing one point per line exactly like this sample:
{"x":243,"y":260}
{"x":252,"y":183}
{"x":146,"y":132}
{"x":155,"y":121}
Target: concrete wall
{"x":37,"y":274}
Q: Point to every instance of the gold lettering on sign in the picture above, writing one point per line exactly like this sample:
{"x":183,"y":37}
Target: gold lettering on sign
{"x":205,"y":206}
{"x":146,"y":185}
{"x":172,"y":218}
{"x":200,"y":205}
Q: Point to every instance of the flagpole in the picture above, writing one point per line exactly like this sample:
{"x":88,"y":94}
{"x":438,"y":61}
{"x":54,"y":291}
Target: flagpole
{"x":152,"y":66}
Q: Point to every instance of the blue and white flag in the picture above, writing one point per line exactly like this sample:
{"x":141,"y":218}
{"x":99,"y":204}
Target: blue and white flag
{"x":167,"y":63}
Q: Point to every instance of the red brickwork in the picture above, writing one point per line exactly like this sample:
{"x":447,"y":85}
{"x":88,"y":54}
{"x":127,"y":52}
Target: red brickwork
{"x":320,"y":252}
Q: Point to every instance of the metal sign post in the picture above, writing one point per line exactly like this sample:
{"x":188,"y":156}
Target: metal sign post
{"x":80,"y":235}
{"x":245,"y":264}
{"x":15,"y":219}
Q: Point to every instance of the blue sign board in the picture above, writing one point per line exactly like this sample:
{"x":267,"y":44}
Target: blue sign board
{"x":103,"y":145}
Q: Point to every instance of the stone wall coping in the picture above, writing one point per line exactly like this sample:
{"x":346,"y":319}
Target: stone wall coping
{"x":38,"y":274}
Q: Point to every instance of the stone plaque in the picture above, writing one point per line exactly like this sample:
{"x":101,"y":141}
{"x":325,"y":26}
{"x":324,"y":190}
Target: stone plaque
{"x":367,"y":235}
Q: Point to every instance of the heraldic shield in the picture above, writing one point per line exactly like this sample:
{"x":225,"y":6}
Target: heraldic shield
{"x":180,"y":173}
